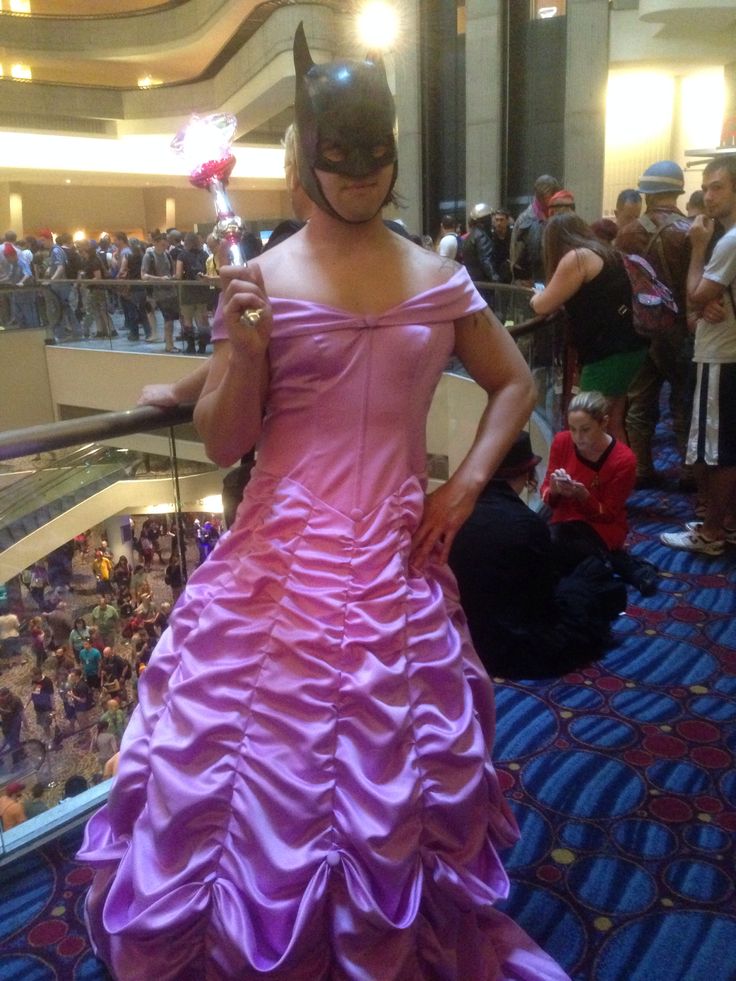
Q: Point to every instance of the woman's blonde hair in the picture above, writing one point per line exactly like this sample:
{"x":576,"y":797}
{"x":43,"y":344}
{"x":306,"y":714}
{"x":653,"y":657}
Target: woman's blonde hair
{"x":594,"y":403}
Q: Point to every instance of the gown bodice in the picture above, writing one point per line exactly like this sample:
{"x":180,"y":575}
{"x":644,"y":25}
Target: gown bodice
{"x":349,"y":395}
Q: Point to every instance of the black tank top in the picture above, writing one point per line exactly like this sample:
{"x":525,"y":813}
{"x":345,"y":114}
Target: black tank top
{"x":600,"y":316}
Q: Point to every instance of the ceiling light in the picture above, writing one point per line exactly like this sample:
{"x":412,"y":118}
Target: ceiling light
{"x":21,"y":71}
{"x":378,"y":25}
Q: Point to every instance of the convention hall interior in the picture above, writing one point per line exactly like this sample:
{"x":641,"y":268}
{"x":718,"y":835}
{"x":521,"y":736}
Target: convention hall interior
{"x":620,"y":772}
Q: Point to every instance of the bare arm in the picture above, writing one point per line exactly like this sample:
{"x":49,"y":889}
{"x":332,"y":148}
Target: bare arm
{"x":494,"y":362}
{"x":572,"y":271}
{"x":229,"y":411}
{"x":186,"y":389}
{"x":700,"y":291}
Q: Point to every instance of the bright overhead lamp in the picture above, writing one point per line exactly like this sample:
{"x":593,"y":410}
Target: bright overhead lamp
{"x":378,"y":25}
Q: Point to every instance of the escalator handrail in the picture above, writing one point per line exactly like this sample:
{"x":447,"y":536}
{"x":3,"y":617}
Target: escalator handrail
{"x":93,"y":428}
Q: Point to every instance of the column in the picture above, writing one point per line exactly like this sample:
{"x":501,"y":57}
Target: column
{"x":585,"y":103}
{"x":728,"y":133}
{"x":484,"y":101}
{"x":119,"y":536}
{"x":15,"y":206}
{"x":405,"y":62}
{"x":4,"y":206}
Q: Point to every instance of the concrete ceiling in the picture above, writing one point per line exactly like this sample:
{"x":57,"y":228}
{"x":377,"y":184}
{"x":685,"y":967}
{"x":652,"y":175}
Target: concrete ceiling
{"x":169,"y":42}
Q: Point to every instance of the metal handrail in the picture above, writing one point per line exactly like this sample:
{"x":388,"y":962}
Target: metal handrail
{"x":93,"y":428}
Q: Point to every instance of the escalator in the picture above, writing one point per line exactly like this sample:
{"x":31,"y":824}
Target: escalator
{"x":43,"y":510}
{"x":33,"y":501}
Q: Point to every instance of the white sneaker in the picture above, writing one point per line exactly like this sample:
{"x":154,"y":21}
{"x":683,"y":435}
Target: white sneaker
{"x":729,"y":533}
{"x":693,"y":541}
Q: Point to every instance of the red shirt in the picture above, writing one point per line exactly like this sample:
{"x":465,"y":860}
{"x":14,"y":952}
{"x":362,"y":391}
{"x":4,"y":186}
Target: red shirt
{"x":609,"y":481}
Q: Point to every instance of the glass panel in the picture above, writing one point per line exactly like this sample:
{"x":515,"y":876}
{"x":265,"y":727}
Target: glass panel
{"x":121,"y":316}
{"x":55,"y":743}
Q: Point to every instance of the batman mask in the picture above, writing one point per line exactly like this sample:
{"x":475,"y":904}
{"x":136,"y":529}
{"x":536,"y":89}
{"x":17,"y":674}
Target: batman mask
{"x":347,"y":107}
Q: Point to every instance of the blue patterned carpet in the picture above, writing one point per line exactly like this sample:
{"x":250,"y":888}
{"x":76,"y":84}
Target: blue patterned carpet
{"x":621,"y":776}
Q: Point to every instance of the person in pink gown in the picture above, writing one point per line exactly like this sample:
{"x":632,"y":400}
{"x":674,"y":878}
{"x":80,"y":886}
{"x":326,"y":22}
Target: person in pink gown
{"x":305,"y":790}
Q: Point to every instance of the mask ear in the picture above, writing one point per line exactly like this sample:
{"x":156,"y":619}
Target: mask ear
{"x":377,"y":59}
{"x":302,"y":58}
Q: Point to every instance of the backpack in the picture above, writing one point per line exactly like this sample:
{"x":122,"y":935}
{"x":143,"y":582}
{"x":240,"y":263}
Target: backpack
{"x":653,"y":308}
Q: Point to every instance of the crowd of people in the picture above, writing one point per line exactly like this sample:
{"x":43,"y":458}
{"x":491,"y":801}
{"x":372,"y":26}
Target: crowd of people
{"x":89,"y":279}
{"x":579,"y":266}
{"x":84,"y":660}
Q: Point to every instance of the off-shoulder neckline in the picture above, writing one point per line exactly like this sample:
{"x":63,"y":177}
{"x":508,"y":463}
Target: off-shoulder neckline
{"x":354,"y":315}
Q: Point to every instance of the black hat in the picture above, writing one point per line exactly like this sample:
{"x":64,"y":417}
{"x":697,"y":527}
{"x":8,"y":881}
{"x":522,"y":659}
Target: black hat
{"x":349,"y":104}
{"x":519,"y":460}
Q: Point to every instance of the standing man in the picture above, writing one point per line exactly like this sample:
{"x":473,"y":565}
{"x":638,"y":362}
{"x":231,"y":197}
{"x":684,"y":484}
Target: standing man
{"x":444,"y":813}
{"x":478,"y":250}
{"x":42,"y":699}
{"x":102,"y":569}
{"x":64,"y":266}
{"x":160,"y":267}
{"x":106,"y":620}
{"x":501,"y":245}
{"x":527,"y":264}
{"x":660,"y":235}
{"x":628,"y":206}
{"x":114,"y":672}
{"x":11,"y":720}
{"x":449,"y":243}
{"x":90,"y":659}
{"x":712,"y":440}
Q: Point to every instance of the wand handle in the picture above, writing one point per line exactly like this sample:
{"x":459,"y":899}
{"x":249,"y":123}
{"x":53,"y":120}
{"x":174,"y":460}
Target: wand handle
{"x":229,"y":226}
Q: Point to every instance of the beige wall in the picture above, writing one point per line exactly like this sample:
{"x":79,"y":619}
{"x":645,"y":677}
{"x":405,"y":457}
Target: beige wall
{"x":96,"y":209}
{"x":25,"y":398}
{"x":109,"y":380}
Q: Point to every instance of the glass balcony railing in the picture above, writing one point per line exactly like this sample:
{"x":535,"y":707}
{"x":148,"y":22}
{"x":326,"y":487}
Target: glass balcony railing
{"x":542,"y":342}
{"x":93,"y":312}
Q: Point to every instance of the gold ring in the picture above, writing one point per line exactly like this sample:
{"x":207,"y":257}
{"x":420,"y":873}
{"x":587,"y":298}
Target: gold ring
{"x":252,"y":318}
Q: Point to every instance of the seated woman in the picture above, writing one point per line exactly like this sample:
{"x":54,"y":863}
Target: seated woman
{"x":526,"y":620}
{"x":590,"y":476}
{"x":589,"y":278}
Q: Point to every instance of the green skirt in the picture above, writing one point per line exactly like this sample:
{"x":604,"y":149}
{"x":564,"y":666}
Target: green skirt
{"x":612,"y":375}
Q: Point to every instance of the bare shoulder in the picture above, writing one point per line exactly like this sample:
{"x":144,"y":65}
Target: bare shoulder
{"x":274,"y":258}
{"x":427,"y":268}
{"x":582,"y":260}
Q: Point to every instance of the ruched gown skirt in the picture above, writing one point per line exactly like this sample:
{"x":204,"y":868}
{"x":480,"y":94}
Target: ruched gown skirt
{"x":305,"y":789}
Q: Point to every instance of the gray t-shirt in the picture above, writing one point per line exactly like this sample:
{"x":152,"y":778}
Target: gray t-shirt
{"x":159,"y":264}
